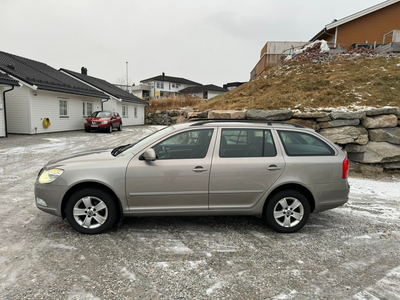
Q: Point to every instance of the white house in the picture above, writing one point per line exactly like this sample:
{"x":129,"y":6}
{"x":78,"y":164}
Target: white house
{"x":161,"y":86}
{"x":7,"y":84}
{"x":47,"y":100}
{"x":130,"y":107}
{"x":203,"y":91}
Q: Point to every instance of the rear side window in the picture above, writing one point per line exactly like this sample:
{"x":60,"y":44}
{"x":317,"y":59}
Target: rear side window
{"x":303,"y":144}
{"x":246,"y":143}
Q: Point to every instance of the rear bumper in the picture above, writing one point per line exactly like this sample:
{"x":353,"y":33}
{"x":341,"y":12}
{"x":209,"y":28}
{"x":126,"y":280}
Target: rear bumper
{"x":335,"y":196}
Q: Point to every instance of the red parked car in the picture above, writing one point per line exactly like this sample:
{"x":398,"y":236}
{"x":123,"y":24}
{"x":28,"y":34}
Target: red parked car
{"x":103,"y":120}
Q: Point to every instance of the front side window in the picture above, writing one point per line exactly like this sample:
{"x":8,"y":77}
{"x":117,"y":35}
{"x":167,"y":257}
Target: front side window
{"x":185,"y":145}
{"x":63,"y":108}
{"x":246,"y":143}
{"x":303,"y":144}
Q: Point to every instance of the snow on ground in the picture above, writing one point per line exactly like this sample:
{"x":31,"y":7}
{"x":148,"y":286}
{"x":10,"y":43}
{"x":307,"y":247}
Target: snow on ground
{"x":350,"y":252}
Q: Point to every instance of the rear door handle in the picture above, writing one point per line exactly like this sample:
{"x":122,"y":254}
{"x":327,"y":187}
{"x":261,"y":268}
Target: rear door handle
{"x":199,"y":169}
{"x":273,"y":168}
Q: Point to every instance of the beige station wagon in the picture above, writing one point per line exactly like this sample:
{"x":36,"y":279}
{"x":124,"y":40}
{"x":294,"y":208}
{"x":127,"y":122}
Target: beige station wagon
{"x":280,"y":171}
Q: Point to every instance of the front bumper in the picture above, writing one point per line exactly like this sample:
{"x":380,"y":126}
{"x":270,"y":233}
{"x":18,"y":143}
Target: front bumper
{"x":100,"y":127}
{"x":52,"y":195}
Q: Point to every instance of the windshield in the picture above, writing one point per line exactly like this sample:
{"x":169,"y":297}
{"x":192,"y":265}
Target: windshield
{"x":148,"y":139}
{"x":101,"y":114}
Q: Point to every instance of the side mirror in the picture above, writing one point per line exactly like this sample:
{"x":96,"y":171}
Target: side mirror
{"x":149,"y":155}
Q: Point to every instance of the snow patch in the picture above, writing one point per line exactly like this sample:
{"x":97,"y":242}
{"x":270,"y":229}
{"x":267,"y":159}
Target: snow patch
{"x":213,"y":288}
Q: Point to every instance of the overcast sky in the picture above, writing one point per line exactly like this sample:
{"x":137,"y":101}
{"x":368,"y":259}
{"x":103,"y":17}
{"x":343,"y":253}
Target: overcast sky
{"x":207,"y":41}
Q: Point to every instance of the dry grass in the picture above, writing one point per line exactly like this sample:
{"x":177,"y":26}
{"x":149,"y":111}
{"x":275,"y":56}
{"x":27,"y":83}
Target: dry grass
{"x":172,"y":103}
{"x":304,"y":84}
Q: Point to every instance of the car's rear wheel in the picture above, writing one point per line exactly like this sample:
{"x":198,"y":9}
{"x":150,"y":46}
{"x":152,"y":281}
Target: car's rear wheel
{"x":287,"y":211}
{"x":91,"y":211}
{"x":120,"y":126}
{"x":110,"y":129}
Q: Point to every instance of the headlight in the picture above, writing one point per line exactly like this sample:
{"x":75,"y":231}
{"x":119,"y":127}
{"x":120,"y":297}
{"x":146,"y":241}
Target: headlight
{"x":50,"y":175}
{"x":105,"y":122}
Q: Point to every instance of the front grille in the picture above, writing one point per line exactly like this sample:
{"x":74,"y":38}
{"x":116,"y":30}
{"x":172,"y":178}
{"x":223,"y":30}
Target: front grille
{"x":95,"y":123}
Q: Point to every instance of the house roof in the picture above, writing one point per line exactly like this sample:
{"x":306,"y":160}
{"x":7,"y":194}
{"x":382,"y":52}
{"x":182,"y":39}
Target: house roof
{"x":5,"y":79}
{"x":354,"y":16}
{"x":202,"y":88}
{"x":360,"y":14}
{"x":236,"y":84}
{"x":171,"y":79}
{"x":106,"y":87}
{"x":38,"y":74}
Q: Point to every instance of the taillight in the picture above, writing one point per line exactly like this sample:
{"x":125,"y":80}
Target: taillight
{"x":345,"y":168}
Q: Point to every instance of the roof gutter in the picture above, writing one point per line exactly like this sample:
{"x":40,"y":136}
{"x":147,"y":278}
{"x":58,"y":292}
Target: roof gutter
{"x":321,"y":33}
{"x":5,"y":109}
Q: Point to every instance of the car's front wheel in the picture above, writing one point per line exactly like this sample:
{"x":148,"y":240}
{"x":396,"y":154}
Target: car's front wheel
{"x":119,"y":126}
{"x":287,"y":211}
{"x":110,"y":129}
{"x":91,"y":211}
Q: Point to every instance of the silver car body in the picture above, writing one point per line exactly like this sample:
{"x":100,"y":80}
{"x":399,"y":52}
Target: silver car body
{"x":201,"y":186}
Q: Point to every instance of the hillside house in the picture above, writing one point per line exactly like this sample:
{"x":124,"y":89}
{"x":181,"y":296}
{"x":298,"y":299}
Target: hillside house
{"x":7,"y":84}
{"x":368,"y":27}
{"x":130,"y":107}
{"x":271,"y":54}
{"x":45,"y":94}
{"x":203,"y":91}
{"x":161,"y":86}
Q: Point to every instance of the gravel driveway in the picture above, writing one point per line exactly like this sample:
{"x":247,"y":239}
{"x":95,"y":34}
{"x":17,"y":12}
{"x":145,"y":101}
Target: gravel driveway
{"x":351,"y":252}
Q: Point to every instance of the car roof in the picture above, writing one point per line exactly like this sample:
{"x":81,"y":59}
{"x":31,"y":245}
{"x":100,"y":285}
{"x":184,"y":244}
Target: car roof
{"x":240,"y":123}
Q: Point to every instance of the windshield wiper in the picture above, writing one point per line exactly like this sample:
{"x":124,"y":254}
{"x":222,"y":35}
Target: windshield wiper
{"x":120,"y":149}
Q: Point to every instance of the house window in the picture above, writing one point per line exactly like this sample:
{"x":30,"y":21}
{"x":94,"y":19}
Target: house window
{"x":124,"y":111}
{"x":87,"y":108}
{"x":162,"y":84}
{"x":63,"y":108}
{"x":205,"y":95}
{"x":135,"y":112}
{"x":158,"y":84}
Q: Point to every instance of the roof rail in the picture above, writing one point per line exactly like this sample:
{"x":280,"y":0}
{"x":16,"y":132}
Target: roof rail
{"x":206,"y":121}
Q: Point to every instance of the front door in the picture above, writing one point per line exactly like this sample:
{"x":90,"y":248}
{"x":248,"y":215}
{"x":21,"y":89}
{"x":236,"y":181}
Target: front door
{"x":178,"y":179}
{"x":245,"y":165}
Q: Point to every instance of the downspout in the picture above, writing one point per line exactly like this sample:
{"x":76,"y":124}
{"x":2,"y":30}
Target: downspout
{"x":102,"y":101}
{"x":5,"y":110}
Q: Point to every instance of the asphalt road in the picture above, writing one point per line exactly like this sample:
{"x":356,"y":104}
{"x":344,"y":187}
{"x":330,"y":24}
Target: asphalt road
{"x":351,"y":252}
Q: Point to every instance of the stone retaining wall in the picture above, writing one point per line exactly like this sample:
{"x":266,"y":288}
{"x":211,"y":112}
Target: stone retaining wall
{"x":370,"y":137}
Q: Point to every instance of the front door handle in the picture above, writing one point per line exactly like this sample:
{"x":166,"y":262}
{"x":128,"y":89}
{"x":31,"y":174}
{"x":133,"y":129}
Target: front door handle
{"x":273,"y":168}
{"x":199,"y":169}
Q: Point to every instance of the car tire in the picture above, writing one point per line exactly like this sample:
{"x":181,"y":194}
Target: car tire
{"x":120,"y":126}
{"x":110,"y":128}
{"x":287,"y":211}
{"x":87,"y":129}
{"x":91,"y":211}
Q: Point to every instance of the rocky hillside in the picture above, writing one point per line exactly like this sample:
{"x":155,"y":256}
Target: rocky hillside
{"x":352,"y":82}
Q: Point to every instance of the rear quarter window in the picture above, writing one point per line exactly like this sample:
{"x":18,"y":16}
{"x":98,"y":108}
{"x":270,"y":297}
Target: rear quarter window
{"x":304,"y":144}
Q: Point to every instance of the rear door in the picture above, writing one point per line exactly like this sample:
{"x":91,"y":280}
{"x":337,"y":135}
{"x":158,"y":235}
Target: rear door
{"x":245,"y":164}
